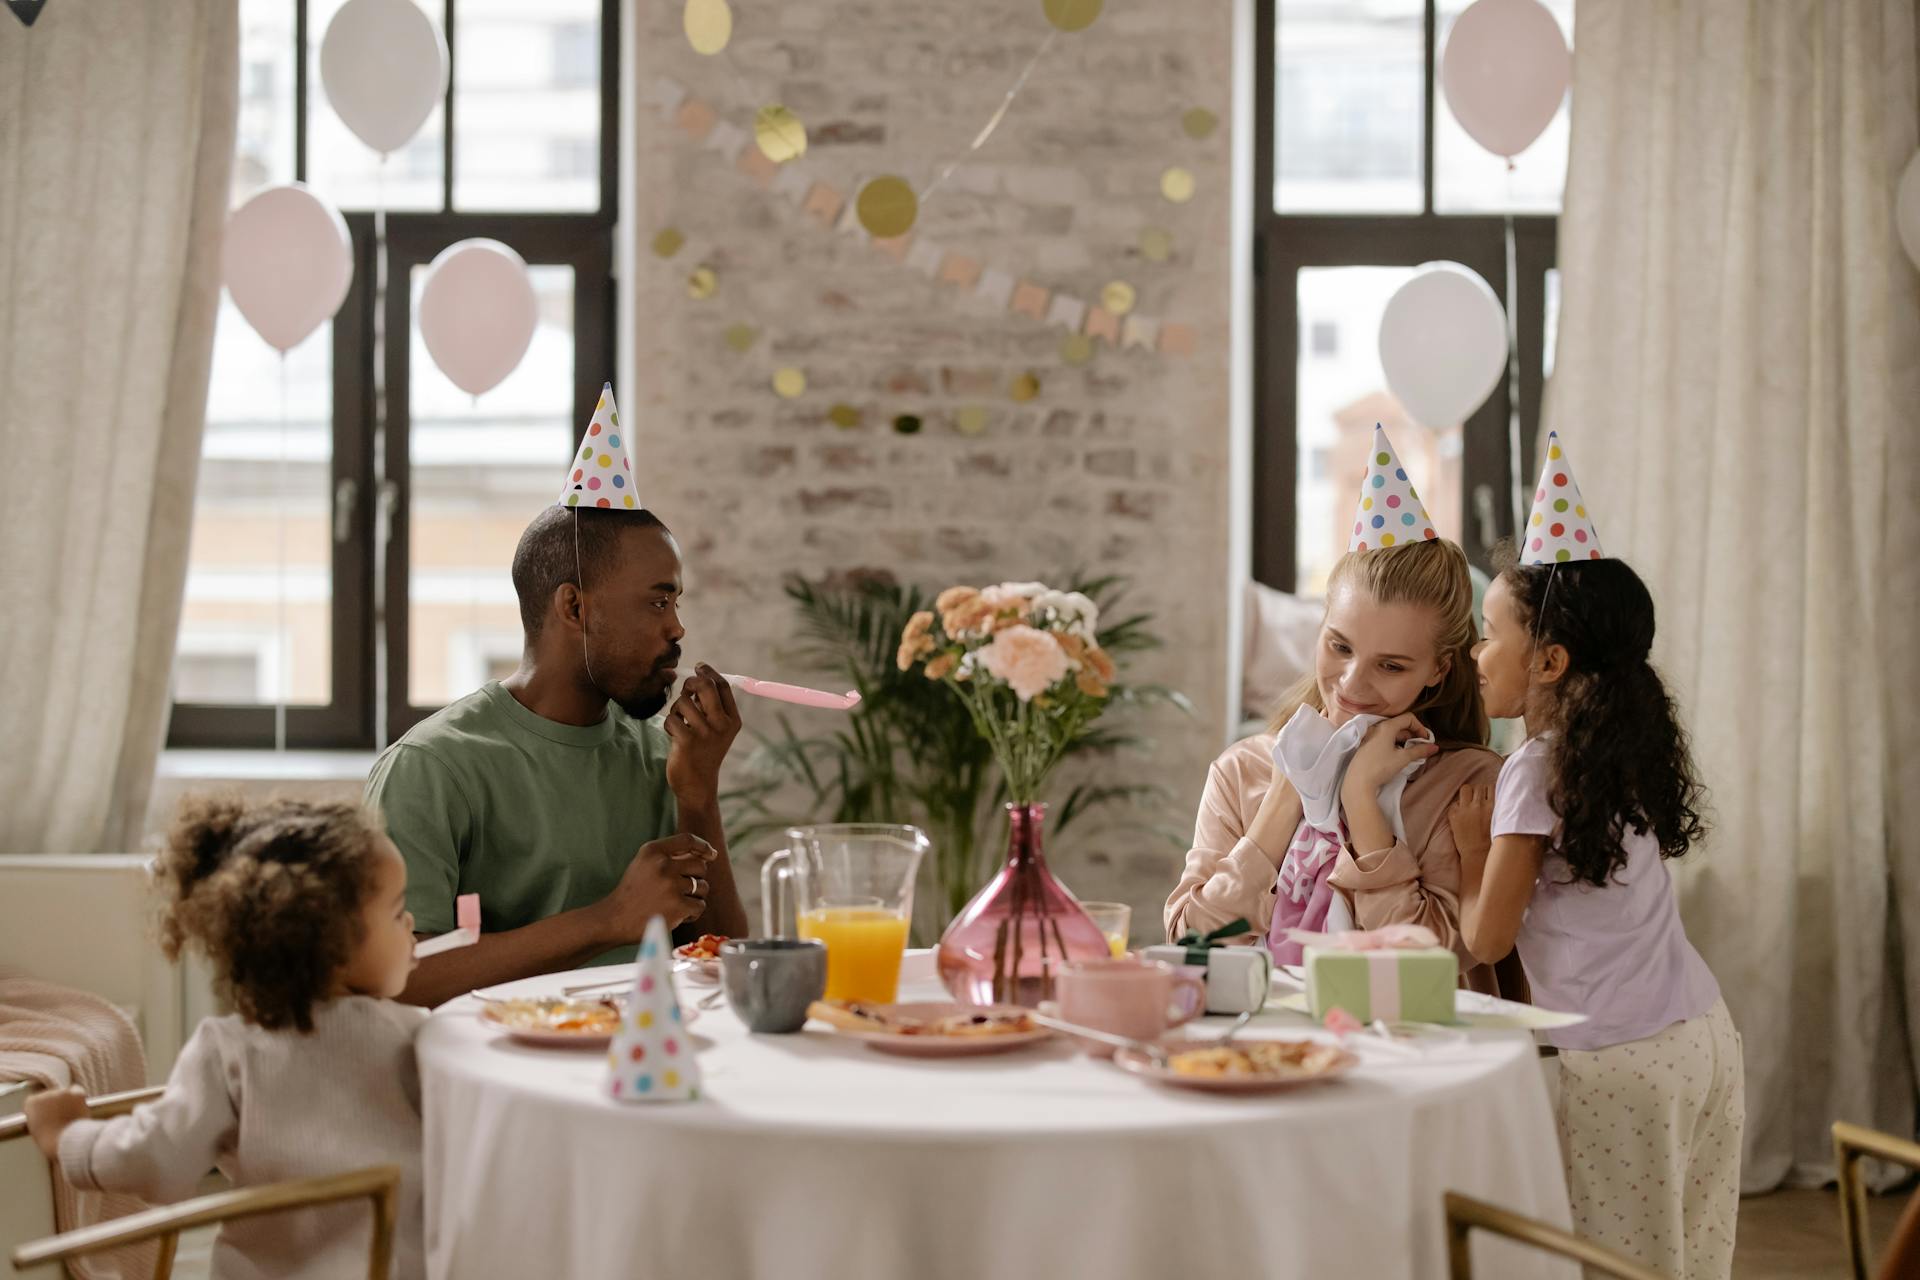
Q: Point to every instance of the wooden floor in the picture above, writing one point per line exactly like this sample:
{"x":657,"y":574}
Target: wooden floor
{"x":1796,"y":1234}
{"x":1788,"y":1235}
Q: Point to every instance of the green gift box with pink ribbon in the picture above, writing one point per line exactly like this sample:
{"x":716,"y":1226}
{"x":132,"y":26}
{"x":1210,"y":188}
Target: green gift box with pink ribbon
{"x":1399,"y":974}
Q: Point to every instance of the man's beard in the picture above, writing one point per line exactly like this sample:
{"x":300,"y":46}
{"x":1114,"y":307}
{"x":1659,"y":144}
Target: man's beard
{"x":645,"y":706}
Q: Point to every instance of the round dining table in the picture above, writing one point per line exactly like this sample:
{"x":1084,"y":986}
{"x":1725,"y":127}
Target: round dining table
{"x":814,"y":1157}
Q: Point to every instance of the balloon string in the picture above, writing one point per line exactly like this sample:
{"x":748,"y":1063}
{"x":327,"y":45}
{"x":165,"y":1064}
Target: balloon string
{"x":1515,"y":476}
{"x":284,"y":641}
{"x":383,"y":530}
{"x":993,"y":121}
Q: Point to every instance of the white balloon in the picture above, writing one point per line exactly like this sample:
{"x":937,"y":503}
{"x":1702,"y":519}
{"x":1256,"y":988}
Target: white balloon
{"x":1443,"y":344}
{"x":1906,"y":209}
{"x":1504,"y":72}
{"x":384,"y":65}
{"x":477,"y":313}
{"x":287,"y":261}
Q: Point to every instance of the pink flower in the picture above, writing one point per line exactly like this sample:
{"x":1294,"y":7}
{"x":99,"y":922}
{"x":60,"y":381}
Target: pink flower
{"x":1029,"y":660}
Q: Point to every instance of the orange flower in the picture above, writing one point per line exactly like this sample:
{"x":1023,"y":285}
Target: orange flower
{"x":1076,"y":647}
{"x":940,"y":666}
{"x":953,"y":597}
{"x":917,"y":626}
{"x":911,"y":651}
{"x":1089,"y":684}
{"x":1102,"y":664}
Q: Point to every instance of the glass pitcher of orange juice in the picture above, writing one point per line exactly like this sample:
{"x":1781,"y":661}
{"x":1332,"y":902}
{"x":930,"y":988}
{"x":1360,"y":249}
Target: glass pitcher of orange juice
{"x":852,"y":888}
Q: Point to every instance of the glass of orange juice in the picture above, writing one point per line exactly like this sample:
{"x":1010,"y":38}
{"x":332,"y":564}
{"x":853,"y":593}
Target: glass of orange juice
{"x":852,"y":888}
{"x":1115,"y":920}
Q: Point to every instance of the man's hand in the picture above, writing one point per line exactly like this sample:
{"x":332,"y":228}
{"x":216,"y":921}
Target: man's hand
{"x":666,"y":878}
{"x":703,"y":723}
{"x":50,"y":1112}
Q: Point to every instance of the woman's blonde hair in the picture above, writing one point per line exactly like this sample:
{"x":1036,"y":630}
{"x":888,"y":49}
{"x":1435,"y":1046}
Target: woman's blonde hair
{"x":1434,"y":574}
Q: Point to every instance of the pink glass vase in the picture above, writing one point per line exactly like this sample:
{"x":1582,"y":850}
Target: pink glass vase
{"x":1007,"y":945}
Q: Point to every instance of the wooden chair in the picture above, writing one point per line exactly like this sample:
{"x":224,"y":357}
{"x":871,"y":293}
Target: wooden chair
{"x":379,"y":1184}
{"x":1851,"y":1144}
{"x":1465,"y":1214}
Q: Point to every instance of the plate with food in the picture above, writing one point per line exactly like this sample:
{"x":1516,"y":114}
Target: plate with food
{"x":699,"y":961}
{"x":1243,"y":1066}
{"x":937,"y":1029}
{"x":562,"y":1021}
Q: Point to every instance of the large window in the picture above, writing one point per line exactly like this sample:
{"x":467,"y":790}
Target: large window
{"x":353,"y":527}
{"x":1363,"y":176}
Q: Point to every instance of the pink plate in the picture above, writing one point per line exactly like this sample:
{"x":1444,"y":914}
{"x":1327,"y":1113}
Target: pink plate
{"x":923,"y":1046}
{"x":700,"y":971}
{"x":548,"y":1039}
{"x":1139,"y":1064}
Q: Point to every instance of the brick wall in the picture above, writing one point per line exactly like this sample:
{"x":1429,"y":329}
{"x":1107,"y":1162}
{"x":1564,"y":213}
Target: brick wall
{"x":1120,"y":464}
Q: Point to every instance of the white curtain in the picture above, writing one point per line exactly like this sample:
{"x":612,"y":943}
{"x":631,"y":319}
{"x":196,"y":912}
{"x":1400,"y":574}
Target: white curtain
{"x":116,"y":142}
{"x":1738,"y":384}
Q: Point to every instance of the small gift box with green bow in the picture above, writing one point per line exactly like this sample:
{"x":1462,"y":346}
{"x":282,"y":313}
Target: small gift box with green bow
{"x":1237,"y":976}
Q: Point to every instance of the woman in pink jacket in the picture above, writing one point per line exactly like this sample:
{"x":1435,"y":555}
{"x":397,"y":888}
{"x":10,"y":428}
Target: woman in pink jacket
{"x":1370,"y":845}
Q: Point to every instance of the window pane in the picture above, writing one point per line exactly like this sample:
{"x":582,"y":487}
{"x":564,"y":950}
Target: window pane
{"x":527,"y":103}
{"x":346,"y":170}
{"x":1467,"y":178}
{"x":251,"y":629}
{"x":1350,"y":106}
{"x":1342,"y":393}
{"x":481,"y":471}
{"x":263,"y":153}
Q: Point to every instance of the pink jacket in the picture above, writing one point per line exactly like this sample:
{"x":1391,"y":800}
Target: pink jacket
{"x":1416,"y":881}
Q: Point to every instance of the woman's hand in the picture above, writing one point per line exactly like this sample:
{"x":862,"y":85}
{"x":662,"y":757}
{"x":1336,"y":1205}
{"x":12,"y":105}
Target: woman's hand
{"x":1275,"y":822}
{"x":1387,"y":748}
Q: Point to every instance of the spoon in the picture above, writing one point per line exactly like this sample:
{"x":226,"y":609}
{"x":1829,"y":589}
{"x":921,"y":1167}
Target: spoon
{"x":1152,"y":1052}
{"x":1239,"y":1025}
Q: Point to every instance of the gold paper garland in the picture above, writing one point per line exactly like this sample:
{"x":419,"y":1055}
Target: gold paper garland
{"x":887,"y":207}
{"x":708,"y":24}
{"x":790,"y":383}
{"x":779,"y":134}
{"x":1071,"y":15}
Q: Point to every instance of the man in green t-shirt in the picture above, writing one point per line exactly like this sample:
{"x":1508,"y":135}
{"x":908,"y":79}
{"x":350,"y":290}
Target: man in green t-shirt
{"x":551,"y":794}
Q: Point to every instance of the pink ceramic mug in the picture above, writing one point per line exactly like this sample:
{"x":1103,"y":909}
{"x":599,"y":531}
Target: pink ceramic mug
{"x":1129,"y":997}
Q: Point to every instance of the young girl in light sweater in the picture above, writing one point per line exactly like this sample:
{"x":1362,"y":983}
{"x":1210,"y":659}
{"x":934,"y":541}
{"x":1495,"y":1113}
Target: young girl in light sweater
{"x":301,"y":909}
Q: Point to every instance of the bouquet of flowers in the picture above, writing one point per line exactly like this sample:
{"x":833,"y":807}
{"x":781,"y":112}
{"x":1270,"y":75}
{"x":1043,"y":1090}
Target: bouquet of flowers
{"x":1023,"y":659}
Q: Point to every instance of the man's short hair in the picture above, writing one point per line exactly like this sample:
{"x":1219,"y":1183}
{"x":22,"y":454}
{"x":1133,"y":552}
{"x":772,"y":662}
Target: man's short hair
{"x":546,"y":557}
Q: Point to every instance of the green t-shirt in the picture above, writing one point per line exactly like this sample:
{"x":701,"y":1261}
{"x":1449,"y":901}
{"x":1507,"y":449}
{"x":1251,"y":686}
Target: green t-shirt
{"x":535,"y":816}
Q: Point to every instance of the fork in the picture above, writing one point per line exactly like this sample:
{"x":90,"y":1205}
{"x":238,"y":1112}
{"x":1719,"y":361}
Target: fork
{"x":1154,"y":1053}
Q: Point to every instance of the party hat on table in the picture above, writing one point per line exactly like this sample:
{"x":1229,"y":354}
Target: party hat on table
{"x":651,"y":1059}
{"x":1390,"y":512}
{"x":601,"y":471}
{"x":1559,"y":527}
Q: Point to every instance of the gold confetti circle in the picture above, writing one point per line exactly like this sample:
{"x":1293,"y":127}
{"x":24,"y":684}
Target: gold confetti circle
{"x":702,"y":283}
{"x":844,"y":416}
{"x":741,"y":336}
{"x":779,"y":134}
{"x":1117,"y":297}
{"x":1076,"y":348}
{"x":1156,"y":244}
{"x":1071,"y":15}
{"x":1199,"y":123}
{"x":1025,"y":387}
{"x":971,"y":420}
{"x":887,"y":207}
{"x":668,"y":242}
{"x":907,"y":424}
{"x":790,"y":383}
{"x":1176,"y":184}
{"x":709,"y":25}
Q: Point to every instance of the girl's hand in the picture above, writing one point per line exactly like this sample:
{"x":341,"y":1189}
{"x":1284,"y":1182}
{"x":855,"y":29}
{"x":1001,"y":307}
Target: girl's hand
{"x":1471,"y":817}
{"x":50,"y":1112}
{"x":1385,"y":751}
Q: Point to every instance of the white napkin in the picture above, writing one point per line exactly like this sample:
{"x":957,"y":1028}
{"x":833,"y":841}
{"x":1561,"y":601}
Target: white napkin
{"x":1314,"y":757}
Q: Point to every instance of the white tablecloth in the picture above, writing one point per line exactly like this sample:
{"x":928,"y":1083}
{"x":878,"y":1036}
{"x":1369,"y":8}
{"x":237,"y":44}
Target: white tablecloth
{"x":809,"y":1156}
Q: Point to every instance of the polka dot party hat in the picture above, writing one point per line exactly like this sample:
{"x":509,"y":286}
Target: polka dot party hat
{"x":601,"y":472}
{"x":1559,"y":527}
{"x":651,"y":1059}
{"x":1390,"y":512}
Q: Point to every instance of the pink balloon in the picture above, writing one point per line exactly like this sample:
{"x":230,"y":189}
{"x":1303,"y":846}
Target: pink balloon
{"x":477,"y":313}
{"x":287,"y":262}
{"x":1504,"y":73}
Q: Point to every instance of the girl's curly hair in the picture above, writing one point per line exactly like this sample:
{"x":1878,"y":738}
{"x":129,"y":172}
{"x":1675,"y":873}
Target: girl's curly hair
{"x":1620,"y":758}
{"x":271,"y":894}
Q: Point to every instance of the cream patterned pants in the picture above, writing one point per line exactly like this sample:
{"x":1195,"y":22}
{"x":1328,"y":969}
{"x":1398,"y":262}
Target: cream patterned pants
{"x":1650,"y":1135}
